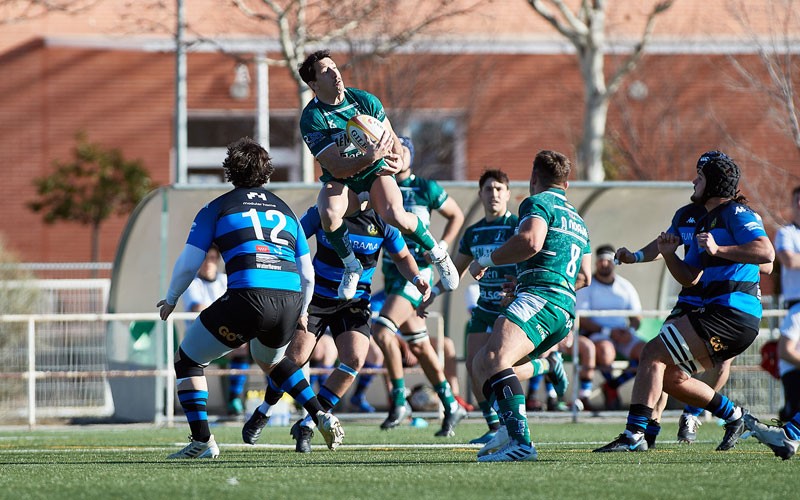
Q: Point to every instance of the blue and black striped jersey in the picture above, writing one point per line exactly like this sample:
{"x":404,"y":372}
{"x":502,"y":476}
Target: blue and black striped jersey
{"x":368,"y":234}
{"x":725,"y":282}
{"x":683,"y":224}
{"x":258,"y":235}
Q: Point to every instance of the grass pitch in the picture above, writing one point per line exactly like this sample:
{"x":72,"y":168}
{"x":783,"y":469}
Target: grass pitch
{"x":128,"y":462}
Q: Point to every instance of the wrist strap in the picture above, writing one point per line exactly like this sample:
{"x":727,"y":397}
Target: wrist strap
{"x":486,"y":261}
{"x":638,"y":256}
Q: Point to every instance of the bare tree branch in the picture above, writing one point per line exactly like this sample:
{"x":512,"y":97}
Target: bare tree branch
{"x":574,"y":28}
{"x":15,"y":11}
{"x":634,"y":57}
{"x":586,"y":30}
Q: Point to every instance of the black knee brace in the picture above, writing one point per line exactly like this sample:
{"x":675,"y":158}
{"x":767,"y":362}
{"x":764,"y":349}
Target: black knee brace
{"x":186,"y":367}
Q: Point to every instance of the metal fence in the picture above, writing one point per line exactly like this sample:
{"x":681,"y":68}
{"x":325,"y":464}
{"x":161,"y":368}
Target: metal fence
{"x":57,"y":366}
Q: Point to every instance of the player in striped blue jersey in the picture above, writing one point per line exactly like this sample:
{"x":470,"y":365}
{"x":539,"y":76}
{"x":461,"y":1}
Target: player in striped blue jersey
{"x":723,"y":258}
{"x":683,"y":225}
{"x":270,"y":283}
{"x":348,"y":321}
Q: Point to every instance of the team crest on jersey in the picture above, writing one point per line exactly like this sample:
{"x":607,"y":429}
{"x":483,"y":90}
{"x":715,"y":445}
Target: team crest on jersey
{"x":372,"y":230}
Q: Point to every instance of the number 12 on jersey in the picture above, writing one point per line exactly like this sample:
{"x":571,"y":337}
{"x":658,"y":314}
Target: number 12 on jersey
{"x":269,"y":215}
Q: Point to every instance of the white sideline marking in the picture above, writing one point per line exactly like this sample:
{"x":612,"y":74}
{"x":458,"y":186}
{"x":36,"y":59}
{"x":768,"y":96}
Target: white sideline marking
{"x":374,"y":446}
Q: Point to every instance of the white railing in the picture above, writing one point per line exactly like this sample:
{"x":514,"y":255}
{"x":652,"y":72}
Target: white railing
{"x":164,"y":369}
{"x":752,"y":368}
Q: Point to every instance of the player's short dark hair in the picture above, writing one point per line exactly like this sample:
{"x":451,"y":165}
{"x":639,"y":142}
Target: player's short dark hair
{"x":247,"y":164}
{"x":495,"y":174}
{"x":306,"y":69}
{"x":552,"y":167}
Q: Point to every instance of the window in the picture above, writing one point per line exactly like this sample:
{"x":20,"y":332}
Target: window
{"x":439,"y":146}
{"x":210,"y":132}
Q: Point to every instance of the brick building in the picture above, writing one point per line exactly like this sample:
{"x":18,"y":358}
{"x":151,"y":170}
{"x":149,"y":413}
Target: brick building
{"x":491,"y":89}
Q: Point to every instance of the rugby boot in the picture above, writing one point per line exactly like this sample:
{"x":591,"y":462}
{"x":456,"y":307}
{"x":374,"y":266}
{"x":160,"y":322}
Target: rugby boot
{"x":733,"y":431}
{"x":511,"y":452}
{"x":450,"y":421}
{"x":331,"y":429}
{"x":623,"y":443}
{"x":396,"y":416}
{"x":448,"y":274}
{"x":488,"y":436}
{"x":349,"y":285}
{"x":251,"y":430}
{"x":499,"y":440}
{"x":557,"y":375}
{"x":198,"y":449}
{"x":302,"y":436}
{"x":773,"y":436}
{"x":687,"y":428}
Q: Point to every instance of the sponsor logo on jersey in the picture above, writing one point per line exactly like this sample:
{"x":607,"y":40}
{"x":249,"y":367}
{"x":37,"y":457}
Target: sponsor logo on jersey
{"x":267,"y":261}
{"x":366,"y":245}
{"x":252,"y":195}
{"x":691,"y":221}
{"x":752,"y":226}
{"x":262,"y":248}
{"x":739,"y":210}
{"x":576,"y":226}
{"x":492,"y":296}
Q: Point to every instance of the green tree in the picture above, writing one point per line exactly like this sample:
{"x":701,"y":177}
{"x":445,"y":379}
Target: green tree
{"x":94,"y":185}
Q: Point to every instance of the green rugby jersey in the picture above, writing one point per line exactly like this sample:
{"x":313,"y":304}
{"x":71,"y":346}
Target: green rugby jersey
{"x":552,"y":272}
{"x":483,"y":238}
{"x":324,"y":125}
{"x":420,"y":197}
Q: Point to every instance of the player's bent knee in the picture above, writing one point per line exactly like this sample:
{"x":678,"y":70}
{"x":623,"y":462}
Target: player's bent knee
{"x":383,"y":326}
{"x":414,"y":339}
{"x":186,"y":367}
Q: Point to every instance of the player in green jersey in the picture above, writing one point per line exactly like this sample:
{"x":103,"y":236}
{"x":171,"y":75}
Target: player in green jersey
{"x":553,"y":257}
{"x":420,"y":197}
{"x":347,"y":172}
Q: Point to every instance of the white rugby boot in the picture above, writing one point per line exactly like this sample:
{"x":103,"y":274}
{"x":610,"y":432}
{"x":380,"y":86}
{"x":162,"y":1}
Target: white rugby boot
{"x":198,"y":449}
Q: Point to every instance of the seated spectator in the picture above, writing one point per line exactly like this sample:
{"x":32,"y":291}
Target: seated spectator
{"x":611,"y":335}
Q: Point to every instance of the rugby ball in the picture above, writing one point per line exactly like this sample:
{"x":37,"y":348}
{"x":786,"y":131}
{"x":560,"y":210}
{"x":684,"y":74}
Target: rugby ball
{"x":363,"y":129}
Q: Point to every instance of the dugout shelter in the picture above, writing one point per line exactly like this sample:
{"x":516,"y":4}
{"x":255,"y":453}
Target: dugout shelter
{"x":619,"y":213}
